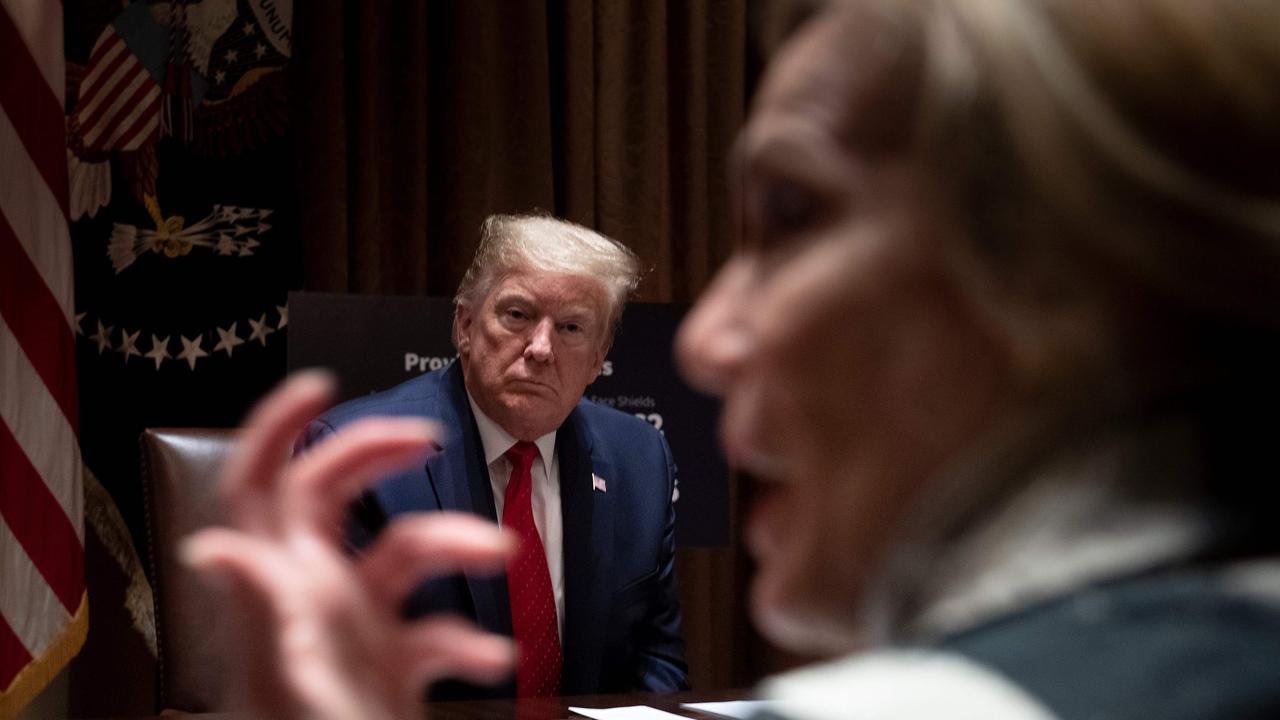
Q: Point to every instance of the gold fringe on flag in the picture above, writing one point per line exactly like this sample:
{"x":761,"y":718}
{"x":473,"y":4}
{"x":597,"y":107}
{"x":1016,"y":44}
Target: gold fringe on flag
{"x":37,"y":675}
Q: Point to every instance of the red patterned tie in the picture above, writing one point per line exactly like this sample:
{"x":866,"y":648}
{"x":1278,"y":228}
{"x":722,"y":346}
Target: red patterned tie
{"x":533,"y":605}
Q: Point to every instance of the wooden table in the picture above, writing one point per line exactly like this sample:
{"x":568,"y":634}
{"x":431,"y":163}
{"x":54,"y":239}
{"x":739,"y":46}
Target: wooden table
{"x":532,"y":709}
{"x":558,"y":708}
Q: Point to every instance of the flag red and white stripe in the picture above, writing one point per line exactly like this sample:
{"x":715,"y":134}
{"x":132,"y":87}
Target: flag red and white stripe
{"x":119,"y":105}
{"x":43,"y":605}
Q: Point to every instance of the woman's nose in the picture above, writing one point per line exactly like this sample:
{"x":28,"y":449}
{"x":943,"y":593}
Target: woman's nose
{"x":714,"y":340}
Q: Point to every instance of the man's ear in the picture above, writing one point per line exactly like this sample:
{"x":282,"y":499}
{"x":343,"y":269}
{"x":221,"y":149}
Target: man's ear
{"x":462,"y":328}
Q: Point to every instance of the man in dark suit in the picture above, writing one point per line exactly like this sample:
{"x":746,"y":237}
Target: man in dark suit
{"x":590,"y":597}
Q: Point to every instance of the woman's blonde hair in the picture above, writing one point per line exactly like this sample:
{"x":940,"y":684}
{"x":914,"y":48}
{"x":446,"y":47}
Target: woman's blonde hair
{"x":1118,"y":164}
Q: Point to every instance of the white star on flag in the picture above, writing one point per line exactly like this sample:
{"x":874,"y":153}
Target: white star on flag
{"x":227,"y":339}
{"x":103,"y":337}
{"x":191,"y":350}
{"x":128,"y":344}
{"x":159,"y":350}
{"x":284,"y":316}
{"x":260,"y":329}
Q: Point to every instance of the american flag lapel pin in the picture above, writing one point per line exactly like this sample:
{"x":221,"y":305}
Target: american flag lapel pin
{"x":597,"y":483}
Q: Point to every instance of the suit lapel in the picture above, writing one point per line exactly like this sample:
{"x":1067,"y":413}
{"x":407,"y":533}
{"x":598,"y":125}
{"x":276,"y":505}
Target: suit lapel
{"x":460,"y":479}
{"x":588,"y":541}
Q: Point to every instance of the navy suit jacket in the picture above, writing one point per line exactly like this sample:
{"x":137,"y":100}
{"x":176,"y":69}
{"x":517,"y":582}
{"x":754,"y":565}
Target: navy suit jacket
{"x":621,"y":614}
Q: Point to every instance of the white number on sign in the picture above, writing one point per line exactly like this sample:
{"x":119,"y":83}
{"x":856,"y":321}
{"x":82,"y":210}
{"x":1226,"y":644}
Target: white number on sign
{"x":654,"y":418}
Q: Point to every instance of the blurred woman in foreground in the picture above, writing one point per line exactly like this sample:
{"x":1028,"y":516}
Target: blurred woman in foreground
{"x":999,"y":355}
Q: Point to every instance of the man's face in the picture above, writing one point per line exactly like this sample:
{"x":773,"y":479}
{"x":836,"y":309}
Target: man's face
{"x":851,"y":366}
{"x":530,"y":349}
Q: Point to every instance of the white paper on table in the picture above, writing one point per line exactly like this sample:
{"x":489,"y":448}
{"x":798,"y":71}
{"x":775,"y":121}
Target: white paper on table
{"x":630,"y":712}
{"x":733,"y":709}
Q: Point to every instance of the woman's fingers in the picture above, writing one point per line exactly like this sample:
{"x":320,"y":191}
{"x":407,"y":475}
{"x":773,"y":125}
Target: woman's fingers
{"x":447,"y":646}
{"x":306,"y":637}
{"x":415,"y":547}
{"x":264,"y":587}
{"x":251,"y":474}
{"x":252,"y":578}
{"x":223,"y":554}
{"x":319,"y":484}
{"x":336,"y":640}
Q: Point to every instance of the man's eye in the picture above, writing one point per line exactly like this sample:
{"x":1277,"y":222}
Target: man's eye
{"x":516,"y":314}
{"x":787,"y":207}
{"x":572,"y":328}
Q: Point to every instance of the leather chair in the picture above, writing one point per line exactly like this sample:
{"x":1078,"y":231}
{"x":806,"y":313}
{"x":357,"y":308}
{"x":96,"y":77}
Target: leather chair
{"x":179,"y":471}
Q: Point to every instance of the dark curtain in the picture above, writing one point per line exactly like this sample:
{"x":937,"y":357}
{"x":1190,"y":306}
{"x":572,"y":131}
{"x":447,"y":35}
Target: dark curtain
{"x":415,"y":120}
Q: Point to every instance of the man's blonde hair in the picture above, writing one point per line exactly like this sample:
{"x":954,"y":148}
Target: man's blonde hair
{"x":541,"y":243}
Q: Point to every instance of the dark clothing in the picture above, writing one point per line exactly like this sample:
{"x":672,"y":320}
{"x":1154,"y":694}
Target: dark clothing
{"x":622,"y":617}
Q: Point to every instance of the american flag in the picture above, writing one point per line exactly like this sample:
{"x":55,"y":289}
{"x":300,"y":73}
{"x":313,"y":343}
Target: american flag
{"x":119,"y":103}
{"x":43,"y":605}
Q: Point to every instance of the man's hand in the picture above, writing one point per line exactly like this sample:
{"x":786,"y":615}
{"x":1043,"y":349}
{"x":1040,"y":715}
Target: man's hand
{"x":317,"y":633}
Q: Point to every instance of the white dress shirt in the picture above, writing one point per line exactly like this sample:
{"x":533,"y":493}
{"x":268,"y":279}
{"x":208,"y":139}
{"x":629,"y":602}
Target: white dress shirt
{"x":545,"y":496}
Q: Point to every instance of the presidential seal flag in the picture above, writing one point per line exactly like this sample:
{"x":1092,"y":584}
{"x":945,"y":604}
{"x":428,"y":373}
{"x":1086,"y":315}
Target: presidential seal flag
{"x":43,"y":605}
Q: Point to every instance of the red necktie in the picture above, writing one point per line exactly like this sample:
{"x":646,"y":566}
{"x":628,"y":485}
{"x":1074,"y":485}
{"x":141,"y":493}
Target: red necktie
{"x":533,"y":604}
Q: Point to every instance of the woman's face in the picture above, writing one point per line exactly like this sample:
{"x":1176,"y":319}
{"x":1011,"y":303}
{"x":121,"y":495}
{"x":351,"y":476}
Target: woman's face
{"x":850,"y":366}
